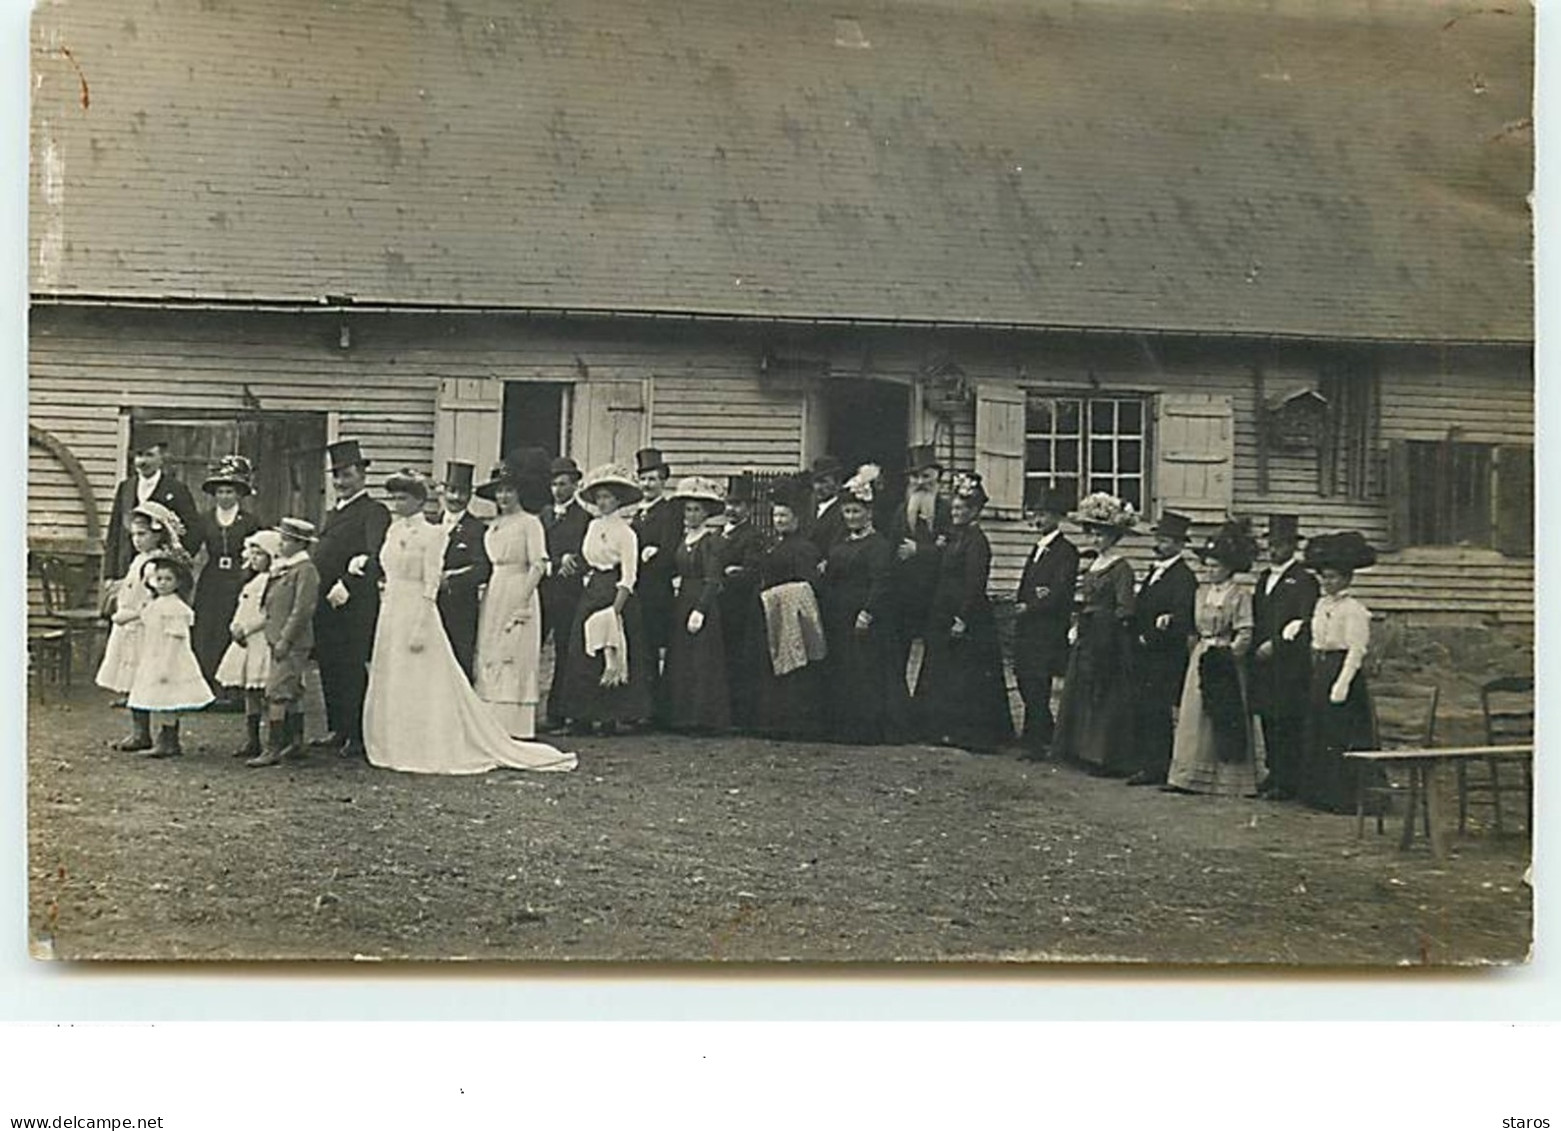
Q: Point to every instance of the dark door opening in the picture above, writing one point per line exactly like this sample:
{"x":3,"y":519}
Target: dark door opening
{"x":869,"y":422}
{"x":534,"y":416}
{"x":287,"y":450}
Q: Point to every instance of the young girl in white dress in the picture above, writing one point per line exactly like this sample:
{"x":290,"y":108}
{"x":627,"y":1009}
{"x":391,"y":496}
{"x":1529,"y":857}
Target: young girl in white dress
{"x":168,"y":677}
{"x":152,"y":527}
{"x":420,"y":714}
{"x":247,"y":661}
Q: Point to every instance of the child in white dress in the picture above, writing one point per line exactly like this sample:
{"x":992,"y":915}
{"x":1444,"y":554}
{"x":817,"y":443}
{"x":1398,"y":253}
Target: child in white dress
{"x":168,"y":677}
{"x":153,"y":527}
{"x":247,"y":662}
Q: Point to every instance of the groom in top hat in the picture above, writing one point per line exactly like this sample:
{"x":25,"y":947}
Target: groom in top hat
{"x":1043,"y":610}
{"x":917,"y":527}
{"x":659,"y":526}
{"x":1163,"y":614}
{"x":466,"y":566}
{"x":1280,"y":665}
{"x":347,"y":560}
{"x":563,"y":521}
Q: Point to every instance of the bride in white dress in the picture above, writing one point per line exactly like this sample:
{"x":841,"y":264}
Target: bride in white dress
{"x":420,"y":715}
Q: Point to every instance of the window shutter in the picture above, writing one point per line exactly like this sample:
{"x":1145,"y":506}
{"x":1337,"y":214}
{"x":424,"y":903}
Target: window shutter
{"x":1515,"y":500}
{"x":1398,"y":494}
{"x":1195,"y":454}
{"x":467,"y":422}
{"x":1000,"y":445}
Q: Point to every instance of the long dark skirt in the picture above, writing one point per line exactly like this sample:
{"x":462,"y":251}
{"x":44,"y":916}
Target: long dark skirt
{"x":961,"y":694}
{"x":693,"y":687}
{"x":583,"y":698}
{"x":1095,"y":720}
{"x":1327,"y":779}
{"x":216,"y":599}
{"x":868,"y":703}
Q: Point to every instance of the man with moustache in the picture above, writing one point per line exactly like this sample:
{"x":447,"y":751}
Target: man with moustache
{"x":564,"y":520}
{"x":1043,"y":610}
{"x":1280,"y":665}
{"x":466,"y":566}
{"x":1163,"y":614}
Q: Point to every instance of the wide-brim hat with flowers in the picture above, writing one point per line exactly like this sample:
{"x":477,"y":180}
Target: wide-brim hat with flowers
{"x":699,"y":489}
{"x":617,"y":478}
{"x":1103,"y":511}
{"x":863,"y":486}
{"x":231,"y":471}
{"x":161,"y":517}
{"x":967,"y":486}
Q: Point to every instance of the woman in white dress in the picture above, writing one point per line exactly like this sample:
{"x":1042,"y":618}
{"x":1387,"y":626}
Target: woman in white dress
{"x":509,"y":631}
{"x":420,"y":715}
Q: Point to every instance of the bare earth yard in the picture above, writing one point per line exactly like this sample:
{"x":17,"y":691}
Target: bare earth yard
{"x":730,"y":849}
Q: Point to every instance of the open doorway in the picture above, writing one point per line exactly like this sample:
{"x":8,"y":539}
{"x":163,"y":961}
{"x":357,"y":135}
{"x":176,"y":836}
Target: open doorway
{"x":535,"y":416}
{"x":868,"y":422}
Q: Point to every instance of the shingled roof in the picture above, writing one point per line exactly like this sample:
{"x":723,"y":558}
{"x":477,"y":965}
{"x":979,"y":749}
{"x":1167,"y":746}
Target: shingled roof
{"x":1332,"y":170}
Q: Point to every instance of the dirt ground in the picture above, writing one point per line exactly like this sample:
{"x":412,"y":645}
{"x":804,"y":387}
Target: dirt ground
{"x":679,"y":849}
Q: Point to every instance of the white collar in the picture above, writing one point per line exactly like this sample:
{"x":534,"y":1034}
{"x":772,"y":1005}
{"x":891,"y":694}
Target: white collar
{"x":145,"y":486}
{"x":342,"y":503}
{"x":283,"y":563}
{"x":1046,"y":540}
{"x":1164,"y":564}
{"x":451,"y":519}
{"x":827,"y":503}
{"x":225,"y":515}
{"x":1276,"y":570}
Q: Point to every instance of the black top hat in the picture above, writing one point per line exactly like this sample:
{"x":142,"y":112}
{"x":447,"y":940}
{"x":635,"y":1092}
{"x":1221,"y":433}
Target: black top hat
{"x":826,"y":466}
{"x":921,"y":457}
{"x":458,"y":477}
{"x":649,"y":459}
{"x":563,"y":465}
{"x":741,"y":488}
{"x":1173,"y":525}
{"x":1055,"y":500}
{"x":343,"y":454}
{"x":1284,"y":528}
{"x":1346,"y":551}
{"x":1232,"y":545}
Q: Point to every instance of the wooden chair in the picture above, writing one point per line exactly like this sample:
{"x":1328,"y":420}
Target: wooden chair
{"x":1508,"y":706}
{"x":1405,"y":719}
{"x":48,"y":657}
{"x":68,"y":592}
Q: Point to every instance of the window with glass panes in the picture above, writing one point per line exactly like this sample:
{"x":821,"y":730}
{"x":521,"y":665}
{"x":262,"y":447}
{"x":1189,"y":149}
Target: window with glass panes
{"x":1085,"y":443}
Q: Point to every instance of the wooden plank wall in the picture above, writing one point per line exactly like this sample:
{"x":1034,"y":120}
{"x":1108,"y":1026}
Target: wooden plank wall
{"x":711,"y":415}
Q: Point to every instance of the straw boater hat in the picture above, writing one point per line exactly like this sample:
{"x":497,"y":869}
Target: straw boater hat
{"x":231,"y":471}
{"x":1232,"y":545}
{"x":1102,"y":511}
{"x":299,"y":529}
{"x":699,"y":489}
{"x":161,"y":517}
{"x":863,"y":486}
{"x":968,"y":486}
{"x":1345,"y":551}
{"x":617,"y":478}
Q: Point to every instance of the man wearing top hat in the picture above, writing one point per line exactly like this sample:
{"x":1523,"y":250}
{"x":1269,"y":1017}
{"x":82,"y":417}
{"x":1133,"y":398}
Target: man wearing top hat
{"x":563,"y":521}
{"x":1043,"y":611}
{"x":742,"y":547}
{"x":1281,"y":657}
{"x":917,"y":527}
{"x":151,"y":483}
{"x":659,"y":526}
{"x":347,"y":560}
{"x":466,"y":566}
{"x":823,"y":526}
{"x":1163,"y":615}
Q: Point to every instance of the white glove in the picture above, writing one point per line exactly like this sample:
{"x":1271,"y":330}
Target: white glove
{"x":337,"y":595}
{"x":1073,"y":634}
{"x":958,"y":628}
{"x":696,"y":621}
{"x":357,"y":565}
{"x":1163,"y":621}
{"x":648,"y":552}
{"x":864,"y":621}
{"x":906,"y":550}
{"x":1338,"y":693}
{"x":1291,"y":631}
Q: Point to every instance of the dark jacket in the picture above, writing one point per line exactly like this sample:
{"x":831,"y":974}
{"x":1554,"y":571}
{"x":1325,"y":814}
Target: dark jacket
{"x":823,"y":530}
{"x":1162,"y":653}
{"x":915,"y":578}
{"x":289,"y":604}
{"x":467,"y":568}
{"x":357,"y":528}
{"x":1279,"y":684}
{"x":171,"y":493}
{"x":1041,"y":631}
{"x":742,"y":547}
{"x":661,"y":526}
{"x":560,"y":594}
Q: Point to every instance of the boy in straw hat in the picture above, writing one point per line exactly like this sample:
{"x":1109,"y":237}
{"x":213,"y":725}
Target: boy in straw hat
{"x":289,"y":606}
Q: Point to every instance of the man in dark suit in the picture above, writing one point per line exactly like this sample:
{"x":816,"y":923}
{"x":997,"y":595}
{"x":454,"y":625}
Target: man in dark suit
{"x":917,"y":527}
{"x":742,"y":546}
{"x":1163,"y":614}
{"x":1281,"y":658}
{"x":347,"y":560}
{"x":564,"y":521}
{"x":150,"y":483}
{"x":466,"y":567}
{"x":824,"y":526}
{"x":1043,"y":610}
{"x":659,"y":525}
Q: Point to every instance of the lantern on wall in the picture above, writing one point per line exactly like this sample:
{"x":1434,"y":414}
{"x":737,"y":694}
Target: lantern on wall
{"x":1298,"y":420}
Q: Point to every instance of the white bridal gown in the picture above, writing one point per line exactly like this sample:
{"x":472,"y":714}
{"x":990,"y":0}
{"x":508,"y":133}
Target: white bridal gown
{"x":420,"y":714}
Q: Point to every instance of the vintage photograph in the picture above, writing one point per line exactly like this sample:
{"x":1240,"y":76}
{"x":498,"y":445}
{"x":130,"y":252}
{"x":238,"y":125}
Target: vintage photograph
{"x":759,"y":481}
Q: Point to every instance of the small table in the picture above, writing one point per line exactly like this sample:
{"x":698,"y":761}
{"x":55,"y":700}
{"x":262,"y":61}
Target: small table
{"x":1422,"y":766}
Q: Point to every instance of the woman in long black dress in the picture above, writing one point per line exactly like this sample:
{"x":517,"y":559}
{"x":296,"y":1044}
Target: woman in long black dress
{"x":868,"y":702}
{"x":1095,"y":717}
{"x":221,"y":532}
{"x":961,"y":695}
{"x":790,"y":705}
{"x":693,"y":689}
{"x":1340,"y":714}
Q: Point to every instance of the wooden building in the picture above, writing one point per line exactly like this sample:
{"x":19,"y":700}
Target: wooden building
{"x":1215,"y":260}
